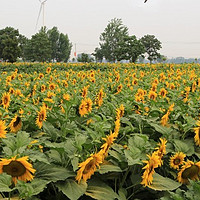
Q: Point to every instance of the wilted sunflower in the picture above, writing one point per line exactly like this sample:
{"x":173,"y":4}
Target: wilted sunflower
{"x":109,"y":140}
{"x":165,"y":119}
{"x":151,"y":164}
{"x":177,"y":160}
{"x":42,"y":116}
{"x":2,"y":129}
{"x":5,"y":100}
{"x":189,"y":170}
{"x":16,"y":124}
{"x":18,"y":168}
{"x":161,"y":149}
{"x":89,"y":166}
{"x":197,"y":132}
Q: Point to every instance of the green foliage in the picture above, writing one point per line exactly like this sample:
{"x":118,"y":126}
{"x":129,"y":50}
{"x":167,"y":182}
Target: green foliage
{"x":60,"y":45}
{"x":38,"y":47}
{"x":84,"y":58}
{"x":152,"y":46}
{"x":9,"y":44}
{"x":111,"y":37}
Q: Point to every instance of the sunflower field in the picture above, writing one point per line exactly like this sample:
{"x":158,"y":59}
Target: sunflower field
{"x":99,"y":131}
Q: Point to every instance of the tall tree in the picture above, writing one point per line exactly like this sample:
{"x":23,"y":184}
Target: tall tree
{"x":152,"y":46}
{"x":9,"y":44}
{"x":60,"y":45}
{"x":111,"y":37}
{"x":130,"y":48}
{"x":38,"y":47}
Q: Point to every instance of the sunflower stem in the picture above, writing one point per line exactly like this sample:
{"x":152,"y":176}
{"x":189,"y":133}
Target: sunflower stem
{"x":3,"y":195}
{"x":9,"y":195}
{"x":124,"y":177}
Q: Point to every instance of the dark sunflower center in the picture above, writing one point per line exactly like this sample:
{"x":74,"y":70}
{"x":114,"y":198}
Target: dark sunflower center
{"x":177,"y":161}
{"x":41,"y":117}
{"x":190,"y":172}
{"x":5,"y":100}
{"x":14,"y":168}
{"x":17,"y":121}
{"x":89,"y":166}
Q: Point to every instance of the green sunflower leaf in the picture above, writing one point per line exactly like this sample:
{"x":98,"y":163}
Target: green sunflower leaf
{"x":161,"y":183}
{"x":5,"y":182}
{"x":72,"y":189}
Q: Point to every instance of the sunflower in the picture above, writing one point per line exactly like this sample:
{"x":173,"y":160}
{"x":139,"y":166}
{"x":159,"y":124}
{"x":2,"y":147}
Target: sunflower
{"x":2,"y":129}
{"x":42,"y":116}
{"x":88,"y":106}
{"x":16,"y":124}
{"x":82,"y":108}
{"x":165,"y":119}
{"x":197,"y":136}
{"x":52,"y":86}
{"x":89,"y":166}
{"x":177,"y":160}
{"x":18,"y":168}
{"x":5,"y":100}
{"x":66,"y":97}
{"x":120,"y":111}
{"x":84,"y":91}
{"x":152,"y":95}
{"x":163,"y":92}
{"x":189,"y":170}
{"x":151,"y":164}
{"x":109,"y":140}
{"x":117,"y":127}
{"x":161,"y":149}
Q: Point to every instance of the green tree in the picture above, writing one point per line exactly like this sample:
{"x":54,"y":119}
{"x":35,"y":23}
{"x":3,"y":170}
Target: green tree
{"x":152,"y":46}
{"x":38,"y":48}
{"x":98,"y":54}
{"x":9,"y":44}
{"x":60,"y":45}
{"x":111,"y":37}
{"x":84,"y":58}
{"x":130,"y":48}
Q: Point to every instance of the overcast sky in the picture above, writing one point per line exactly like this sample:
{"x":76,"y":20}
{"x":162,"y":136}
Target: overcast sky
{"x":176,"y":23}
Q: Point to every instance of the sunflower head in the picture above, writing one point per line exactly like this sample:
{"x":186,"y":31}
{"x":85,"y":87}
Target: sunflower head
{"x":177,"y":160}
{"x":5,"y":100}
{"x":189,"y":170}
{"x":16,"y":124}
{"x":18,"y":168}
{"x":42,"y":116}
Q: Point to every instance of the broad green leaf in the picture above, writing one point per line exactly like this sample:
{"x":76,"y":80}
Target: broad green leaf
{"x":185,"y":146}
{"x":100,"y":191}
{"x":162,"y":129}
{"x":5,"y":182}
{"x":161,"y":183}
{"x":72,"y":189}
{"x":52,"y":172}
{"x":109,"y":168}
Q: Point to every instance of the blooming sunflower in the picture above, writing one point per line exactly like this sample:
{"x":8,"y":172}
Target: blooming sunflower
{"x":165,"y":119}
{"x":88,"y":106}
{"x":15,"y":124}
{"x":5,"y":100}
{"x":151,"y":164}
{"x":189,"y":170}
{"x":120,"y":111}
{"x":82,"y":108}
{"x":2,"y":129}
{"x":89,"y":166}
{"x":177,"y":160}
{"x":163,"y":92}
{"x":152,"y":95}
{"x":42,"y":116}
{"x":197,"y":132}
{"x":18,"y":168}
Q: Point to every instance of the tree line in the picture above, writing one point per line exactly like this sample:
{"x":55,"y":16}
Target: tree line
{"x":46,"y":45}
{"x":52,"y":46}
